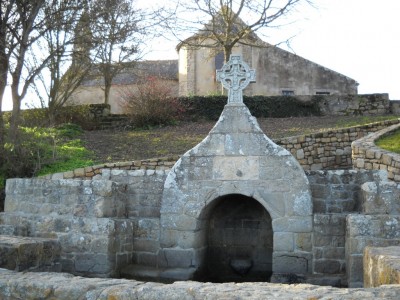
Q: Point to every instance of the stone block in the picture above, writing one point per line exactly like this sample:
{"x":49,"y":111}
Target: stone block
{"x":93,"y":264}
{"x":380,"y":198}
{"x":27,"y":253}
{"x":381,"y":266}
{"x":179,"y":258}
{"x":283,"y":241}
{"x":303,"y":241}
{"x":147,"y":259}
{"x":321,"y":191}
{"x":296,"y":263}
{"x":328,"y":266}
{"x":354,"y":270}
{"x":192,"y":239}
{"x":292,"y":224}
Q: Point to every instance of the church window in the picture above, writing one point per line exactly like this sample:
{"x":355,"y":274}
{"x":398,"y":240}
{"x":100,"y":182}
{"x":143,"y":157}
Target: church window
{"x":219,"y":60}
{"x":287,"y":92}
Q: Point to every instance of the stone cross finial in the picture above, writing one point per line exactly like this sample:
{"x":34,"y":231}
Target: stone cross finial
{"x":235,"y":75}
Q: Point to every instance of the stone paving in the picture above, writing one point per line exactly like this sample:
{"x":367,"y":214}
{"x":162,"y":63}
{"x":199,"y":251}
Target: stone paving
{"x":46,"y":286}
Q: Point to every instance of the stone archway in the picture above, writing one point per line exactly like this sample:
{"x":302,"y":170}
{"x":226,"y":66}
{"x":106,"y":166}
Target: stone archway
{"x":239,"y":241}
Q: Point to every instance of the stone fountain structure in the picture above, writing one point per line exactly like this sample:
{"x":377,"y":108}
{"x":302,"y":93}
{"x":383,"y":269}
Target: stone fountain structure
{"x":237,"y":207}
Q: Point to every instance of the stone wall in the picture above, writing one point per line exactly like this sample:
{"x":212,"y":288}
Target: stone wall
{"x":366,"y":155}
{"x":367,"y":230}
{"x":331,"y":149}
{"x":381,"y":266}
{"x":395,"y":107}
{"x":144,"y":191}
{"x":335,"y":194}
{"x":158,"y":164}
{"x":378,"y":225}
{"x":88,"y":218}
{"x":355,"y":105}
{"x":135,"y":234}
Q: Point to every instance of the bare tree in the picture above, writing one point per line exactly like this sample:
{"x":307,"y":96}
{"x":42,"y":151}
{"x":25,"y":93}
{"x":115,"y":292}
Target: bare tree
{"x":27,"y":28}
{"x":6,"y":20}
{"x":222,"y":22}
{"x":69,"y":40}
{"x":117,"y":36}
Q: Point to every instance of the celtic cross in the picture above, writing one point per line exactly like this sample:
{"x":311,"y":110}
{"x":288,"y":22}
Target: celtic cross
{"x":235,"y":75}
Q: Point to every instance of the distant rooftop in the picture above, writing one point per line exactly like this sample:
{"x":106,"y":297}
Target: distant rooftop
{"x":164,"y":69}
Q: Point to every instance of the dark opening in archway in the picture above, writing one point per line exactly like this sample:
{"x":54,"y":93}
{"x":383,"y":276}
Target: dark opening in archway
{"x":240,"y":241}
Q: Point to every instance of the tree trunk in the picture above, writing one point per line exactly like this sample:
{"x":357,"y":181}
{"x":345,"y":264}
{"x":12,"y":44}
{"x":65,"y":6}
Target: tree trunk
{"x":15,"y":116}
{"x":227,"y":53}
{"x":107,"y":88}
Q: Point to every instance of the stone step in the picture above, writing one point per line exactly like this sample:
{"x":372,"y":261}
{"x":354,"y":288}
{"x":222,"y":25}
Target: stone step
{"x":164,"y":275}
{"x":335,"y":281}
{"x":29,"y":254}
{"x":19,"y":230}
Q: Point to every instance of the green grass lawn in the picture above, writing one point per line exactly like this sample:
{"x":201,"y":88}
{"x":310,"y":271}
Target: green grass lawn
{"x":390,"y":142}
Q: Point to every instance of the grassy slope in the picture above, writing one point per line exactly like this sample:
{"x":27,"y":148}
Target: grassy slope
{"x":112,"y":146}
{"x":390,"y":142}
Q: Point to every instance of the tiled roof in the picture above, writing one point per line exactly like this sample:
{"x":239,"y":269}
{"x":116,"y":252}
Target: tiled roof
{"x":165,"y":69}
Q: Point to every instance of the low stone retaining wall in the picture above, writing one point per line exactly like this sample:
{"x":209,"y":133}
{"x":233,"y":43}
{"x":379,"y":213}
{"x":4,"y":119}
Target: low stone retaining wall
{"x":366,"y":155}
{"x":354,"y":105}
{"x":320,"y":151}
{"x":159,"y":164}
{"x":381,"y":266}
{"x":395,"y":107}
{"x":62,"y":286}
{"x":331,"y":149}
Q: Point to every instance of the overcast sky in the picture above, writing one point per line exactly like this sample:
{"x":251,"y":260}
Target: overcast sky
{"x":358,"y":38}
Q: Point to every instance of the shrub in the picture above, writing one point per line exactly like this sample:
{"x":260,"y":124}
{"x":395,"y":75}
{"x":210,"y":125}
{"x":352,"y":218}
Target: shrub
{"x":35,"y":149}
{"x":25,"y":155}
{"x":151,"y":103}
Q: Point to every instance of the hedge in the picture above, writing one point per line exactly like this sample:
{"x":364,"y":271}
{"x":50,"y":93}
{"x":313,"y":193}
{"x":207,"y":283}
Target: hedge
{"x":210,"y":107}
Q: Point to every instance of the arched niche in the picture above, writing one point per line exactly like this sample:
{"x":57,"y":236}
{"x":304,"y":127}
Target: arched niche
{"x":239,"y":241}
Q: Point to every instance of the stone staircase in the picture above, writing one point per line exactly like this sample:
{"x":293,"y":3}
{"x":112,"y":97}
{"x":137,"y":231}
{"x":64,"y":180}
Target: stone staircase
{"x":113,"y":122}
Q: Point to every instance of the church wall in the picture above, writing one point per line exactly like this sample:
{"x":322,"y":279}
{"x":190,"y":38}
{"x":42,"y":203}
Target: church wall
{"x":279,"y":70}
{"x":183,"y":72}
{"x":205,"y":72}
{"x":276,"y":70}
{"x":95,"y":95}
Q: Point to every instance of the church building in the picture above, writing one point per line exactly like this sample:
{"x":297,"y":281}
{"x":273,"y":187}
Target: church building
{"x":278,"y":72}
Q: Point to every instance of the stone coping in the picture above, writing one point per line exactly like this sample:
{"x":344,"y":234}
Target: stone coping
{"x":46,"y":286}
{"x":158,"y":164}
{"x":366,"y":155}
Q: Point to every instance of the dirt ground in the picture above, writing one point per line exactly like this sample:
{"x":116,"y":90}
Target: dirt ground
{"x":124,"y":145}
